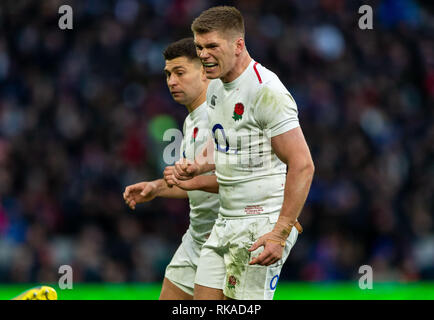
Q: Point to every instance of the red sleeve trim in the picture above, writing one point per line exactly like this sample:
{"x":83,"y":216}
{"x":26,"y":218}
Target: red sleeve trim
{"x":257,"y":73}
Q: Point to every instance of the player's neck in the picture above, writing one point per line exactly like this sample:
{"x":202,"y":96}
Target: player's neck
{"x":196,"y":102}
{"x":241,"y":65}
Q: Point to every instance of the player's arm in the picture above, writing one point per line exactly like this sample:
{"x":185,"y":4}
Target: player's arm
{"x":207,"y":183}
{"x":171,"y":192}
{"x":203,"y":163}
{"x":148,"y":190}
{"x":292,"y":149}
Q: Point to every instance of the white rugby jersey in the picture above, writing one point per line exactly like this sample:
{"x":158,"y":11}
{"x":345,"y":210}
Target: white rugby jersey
{"x":204,"y":206}
{"x":243,"y":117}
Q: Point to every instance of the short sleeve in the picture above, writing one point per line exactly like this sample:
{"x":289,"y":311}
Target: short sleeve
{"x":275,"y":110}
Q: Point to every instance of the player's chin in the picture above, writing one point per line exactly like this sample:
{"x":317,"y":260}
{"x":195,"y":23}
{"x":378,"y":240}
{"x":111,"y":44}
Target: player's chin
{"x":212,"y":73}
{"x":179,"y":97}
{"x":213,"y":76}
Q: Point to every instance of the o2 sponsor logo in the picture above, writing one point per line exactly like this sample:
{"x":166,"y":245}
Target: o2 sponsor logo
{"x":273,"y":282}
{"x":216,"y":127}
{"x":226,"y":148}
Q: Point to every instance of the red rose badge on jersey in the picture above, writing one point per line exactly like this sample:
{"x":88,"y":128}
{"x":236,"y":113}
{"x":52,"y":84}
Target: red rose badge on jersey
{"x":238,"y":111}
{"x":194,"y":136}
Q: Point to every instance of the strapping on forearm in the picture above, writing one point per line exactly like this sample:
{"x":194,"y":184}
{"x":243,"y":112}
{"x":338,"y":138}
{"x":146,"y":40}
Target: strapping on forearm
{"x":282,"y":231}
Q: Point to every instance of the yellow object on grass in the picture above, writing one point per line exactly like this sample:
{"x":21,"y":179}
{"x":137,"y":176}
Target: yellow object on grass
{"x":38,"y":293}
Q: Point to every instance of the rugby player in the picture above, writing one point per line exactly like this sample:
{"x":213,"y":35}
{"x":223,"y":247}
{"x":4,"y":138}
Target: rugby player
{"x":187,"y":83}
{"x":261,"y":199}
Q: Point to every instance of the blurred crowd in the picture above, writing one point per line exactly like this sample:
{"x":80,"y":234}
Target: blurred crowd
{"x":83,"y":111}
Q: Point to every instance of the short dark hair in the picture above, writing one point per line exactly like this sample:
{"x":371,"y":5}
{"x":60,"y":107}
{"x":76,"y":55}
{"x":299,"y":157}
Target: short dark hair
{"x":181,"y":48}
{"x":220,"y":18}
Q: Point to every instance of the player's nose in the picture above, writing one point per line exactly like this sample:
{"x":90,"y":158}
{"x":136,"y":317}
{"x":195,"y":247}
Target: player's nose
{"x":171,"y":81}
{"x":203,"y":54}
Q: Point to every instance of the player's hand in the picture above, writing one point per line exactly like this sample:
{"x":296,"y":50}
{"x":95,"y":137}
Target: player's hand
{"x":169,"y":176}
{"x":171,"y":180}
{"x":273,"y":249}
{"x":139,"y":193}
{"x":185,"y":169}
{"x":273,"y":243}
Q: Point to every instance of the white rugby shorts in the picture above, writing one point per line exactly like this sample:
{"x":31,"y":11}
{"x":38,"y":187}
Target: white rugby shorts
{"x":224,"y":259}
{"x":181,"y":270}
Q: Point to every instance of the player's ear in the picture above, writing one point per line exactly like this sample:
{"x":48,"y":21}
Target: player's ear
{"x":239,"y":46}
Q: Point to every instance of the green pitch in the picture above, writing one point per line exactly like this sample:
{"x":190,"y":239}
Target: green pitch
{"x":284,"y":291}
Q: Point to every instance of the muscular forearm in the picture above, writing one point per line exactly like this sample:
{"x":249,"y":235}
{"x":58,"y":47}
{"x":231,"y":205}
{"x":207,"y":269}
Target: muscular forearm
{"x":298,"y":182}
{"x":207,"y":183}
{"x":205,"y":167}
{"x":297,"y":186}
{"x":165,"y":192}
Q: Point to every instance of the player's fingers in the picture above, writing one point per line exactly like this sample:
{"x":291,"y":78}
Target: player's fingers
{"x":191,"y":169}
{"x":275,"y":251}
{"x":173,"y":180}
{"x":269,"y":260}
{"x":170,"y":183}
{"x":259,"y":243}
{"x":132,"y":204}
{"x":265,"y":262}
{"x":257,"y":260}
{"x":180,"y":169}
{"x":131,"y":189}
{"x":168,"y":170}
{"x":146,"y":190}
{"x":179,"y":174}
{"x":184,"y":164}
{"x":127,"y":197}
{"x":176,"y":174}
{"x":262,"y":258}
{"x":177,"y":168}
{"x":127,"y":192}
{"x":166,"y":176}
{"x":274,"y":261}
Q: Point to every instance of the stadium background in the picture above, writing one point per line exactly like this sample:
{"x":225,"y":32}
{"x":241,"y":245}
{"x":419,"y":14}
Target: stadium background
{"x":82,"y":114}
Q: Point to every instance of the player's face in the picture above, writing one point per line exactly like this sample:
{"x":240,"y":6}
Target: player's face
{"x":184,"y":78}
{"x":216,"y":52}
